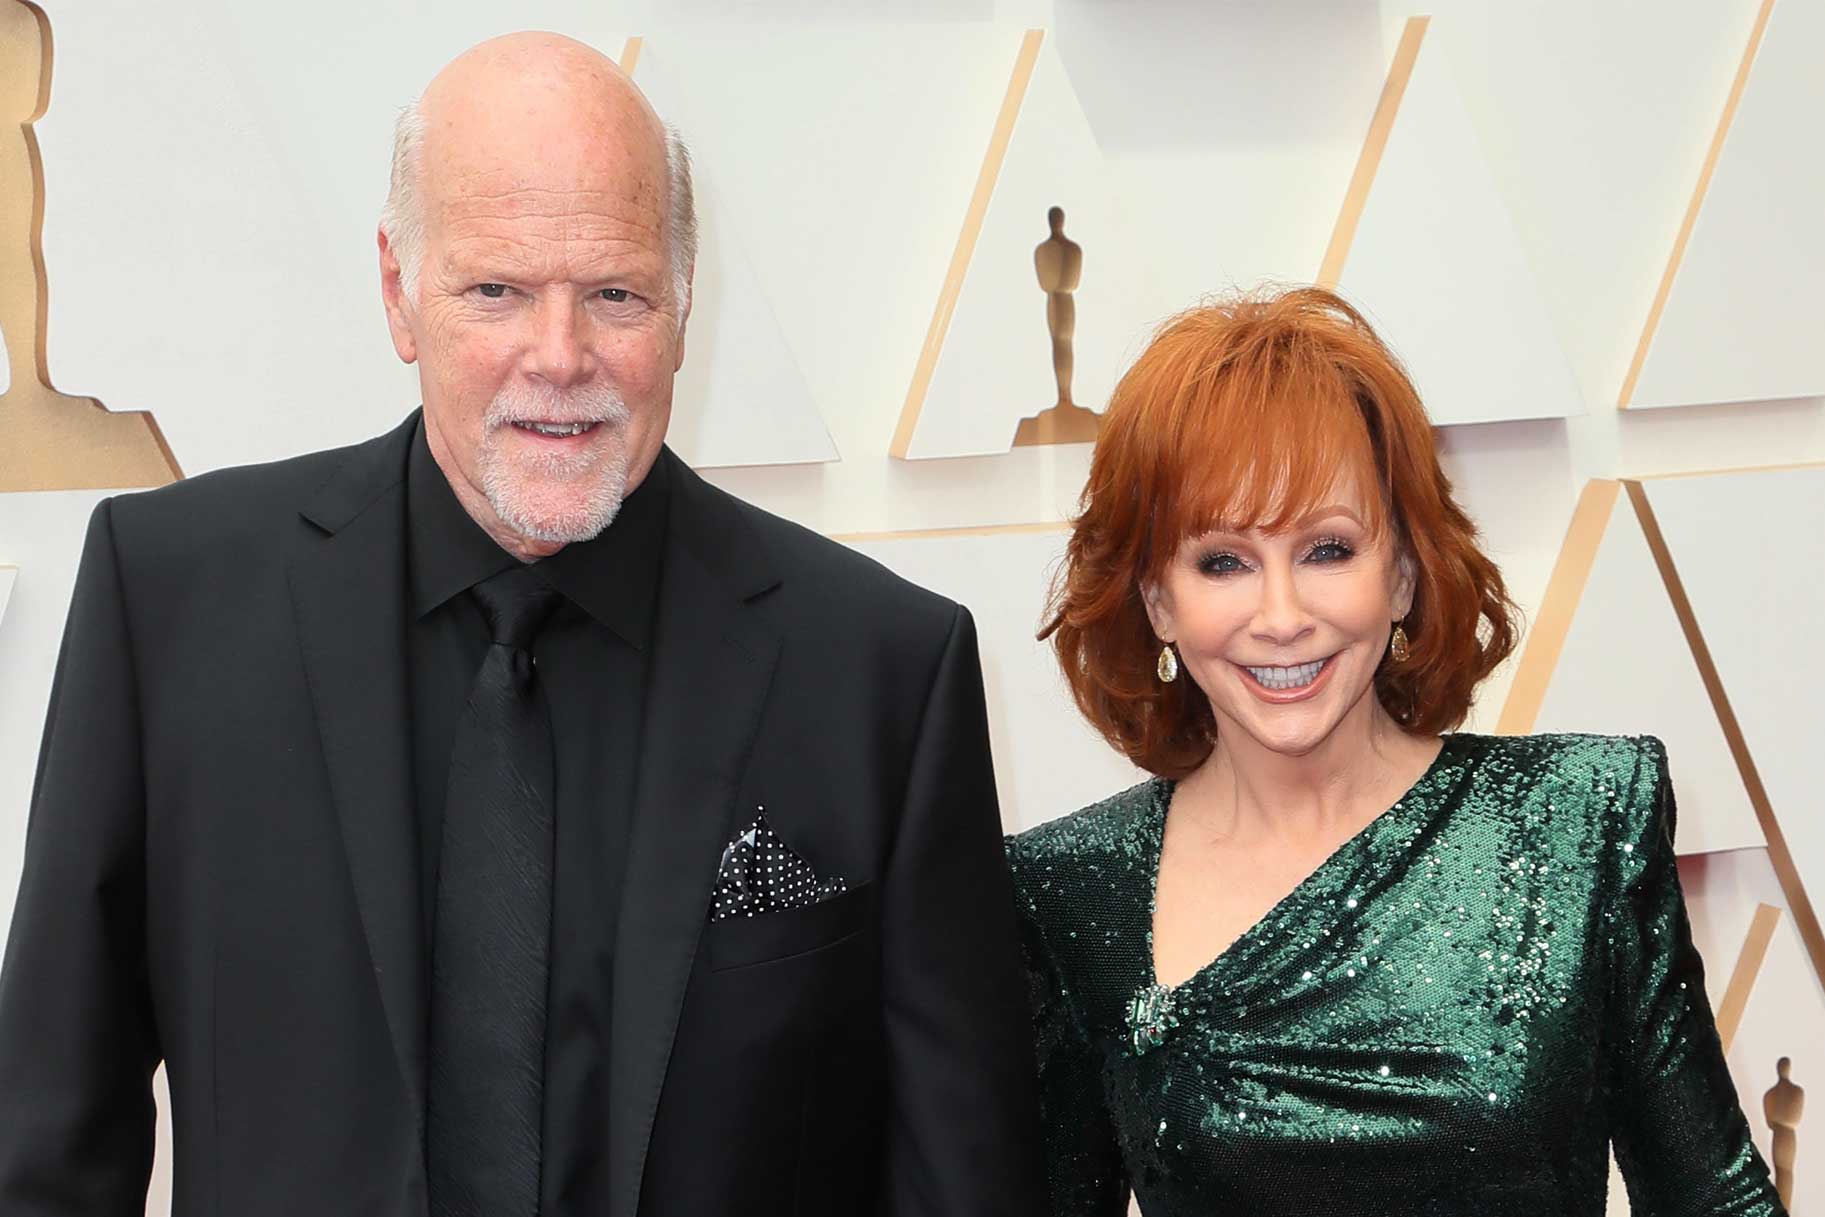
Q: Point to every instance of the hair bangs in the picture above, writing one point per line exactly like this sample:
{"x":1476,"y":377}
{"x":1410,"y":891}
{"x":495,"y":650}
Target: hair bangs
{"x":1263,"y":440}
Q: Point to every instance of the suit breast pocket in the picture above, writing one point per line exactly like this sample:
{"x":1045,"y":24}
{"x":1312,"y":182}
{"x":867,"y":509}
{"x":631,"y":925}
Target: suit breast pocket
{"x":743,"y":942}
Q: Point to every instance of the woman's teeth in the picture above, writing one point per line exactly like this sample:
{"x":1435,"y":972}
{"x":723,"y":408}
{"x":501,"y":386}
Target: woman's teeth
{"x":1288,"y":678}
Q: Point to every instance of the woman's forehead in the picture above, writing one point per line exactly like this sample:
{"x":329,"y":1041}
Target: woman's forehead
{"x":1288,"y":503}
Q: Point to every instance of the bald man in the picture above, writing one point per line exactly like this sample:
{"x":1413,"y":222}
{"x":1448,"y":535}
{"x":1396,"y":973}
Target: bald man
{"x":493,"y":818}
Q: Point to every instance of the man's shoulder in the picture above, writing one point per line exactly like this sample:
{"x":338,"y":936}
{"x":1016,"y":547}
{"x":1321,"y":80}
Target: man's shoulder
{"x":242,"y":501}
{"x":814,"y":569}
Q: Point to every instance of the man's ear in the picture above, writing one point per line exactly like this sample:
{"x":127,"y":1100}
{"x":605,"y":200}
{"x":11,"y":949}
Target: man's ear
{"x":684,"y":313}
{"x":393,"y":297}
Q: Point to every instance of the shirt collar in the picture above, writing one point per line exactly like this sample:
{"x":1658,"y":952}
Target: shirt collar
{"x":614,"y":577}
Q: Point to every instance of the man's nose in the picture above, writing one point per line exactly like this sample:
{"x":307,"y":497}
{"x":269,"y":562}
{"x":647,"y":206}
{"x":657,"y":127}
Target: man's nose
{"x":559,"y":355}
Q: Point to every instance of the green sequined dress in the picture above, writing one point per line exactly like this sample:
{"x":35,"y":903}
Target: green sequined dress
{"x":1456,"y":1013}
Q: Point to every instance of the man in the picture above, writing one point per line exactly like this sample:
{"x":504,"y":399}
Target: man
{"x":493,"y":818}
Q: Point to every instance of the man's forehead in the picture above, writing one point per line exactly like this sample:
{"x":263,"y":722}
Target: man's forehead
{"x":545,"y":148}
{"x":539,"y":232}
{"x":586,"y":189}
{"x":504,"y":192}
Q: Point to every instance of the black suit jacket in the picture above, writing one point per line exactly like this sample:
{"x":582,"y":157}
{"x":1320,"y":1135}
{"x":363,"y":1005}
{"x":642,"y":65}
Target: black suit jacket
{"x":221,"y":873}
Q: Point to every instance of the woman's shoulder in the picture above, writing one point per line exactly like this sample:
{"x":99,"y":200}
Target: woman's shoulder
{"x":1570,"y":754}
{"x":1086,"y":836}
{"x":1613,"y":788}
{"x":1083,"y":883}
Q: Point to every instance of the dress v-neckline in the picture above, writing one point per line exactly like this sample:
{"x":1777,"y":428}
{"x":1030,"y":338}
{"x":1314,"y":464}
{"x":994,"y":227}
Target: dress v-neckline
{"x":1372,"y":832}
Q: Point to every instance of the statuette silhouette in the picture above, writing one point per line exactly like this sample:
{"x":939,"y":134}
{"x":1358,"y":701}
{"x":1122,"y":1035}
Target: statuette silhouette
{"x":48,"y":440}
{"x":1059,"y":263}
{"x":1783,"y":1105}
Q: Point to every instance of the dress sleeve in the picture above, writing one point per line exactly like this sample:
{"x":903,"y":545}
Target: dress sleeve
{"x":1083,"y":1163}
{"x":1680,"y":1136}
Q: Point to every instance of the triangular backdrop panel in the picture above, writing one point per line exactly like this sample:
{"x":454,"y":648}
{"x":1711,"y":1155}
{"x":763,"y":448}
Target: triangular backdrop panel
{"x":1739,"y":323}
{"x":741,"y":397}
{"x":1048,"y":760}
{"x":1433,"y":222}
{"x":274,"y":321}
{"x":1626,"y":669}
{"x":995,"y":365}
{"x":1749,"y":551}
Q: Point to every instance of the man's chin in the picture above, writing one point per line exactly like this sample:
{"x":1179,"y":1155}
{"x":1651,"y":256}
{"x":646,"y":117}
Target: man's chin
{"x":558,"y":519}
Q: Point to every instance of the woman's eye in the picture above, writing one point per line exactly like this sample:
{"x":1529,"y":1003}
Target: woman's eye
{"x":1331,"y":551}
{"x":492,"y":291}
{"x":615,"y":295}
{"x":1221,"y":564}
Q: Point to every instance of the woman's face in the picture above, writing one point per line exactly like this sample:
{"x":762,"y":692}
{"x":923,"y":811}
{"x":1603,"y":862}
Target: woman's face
{"x":1283,"y":632}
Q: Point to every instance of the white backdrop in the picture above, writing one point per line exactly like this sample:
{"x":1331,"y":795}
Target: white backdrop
{"x":213,"y":170}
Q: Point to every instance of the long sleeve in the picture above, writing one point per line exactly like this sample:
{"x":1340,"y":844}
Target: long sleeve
{"x":1084,"y":1174}
{"x":962,"y":1135}
{"x":1680,"y":1135}
{"x":77,"y":1042}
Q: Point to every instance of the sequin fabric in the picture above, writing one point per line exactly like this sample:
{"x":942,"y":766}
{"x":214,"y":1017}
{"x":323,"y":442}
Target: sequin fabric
{"x":1456,"y":1013}
{"x":759,"y":873}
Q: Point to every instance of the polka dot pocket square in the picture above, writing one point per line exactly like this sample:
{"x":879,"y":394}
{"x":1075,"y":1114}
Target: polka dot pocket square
{"x":760,"y":874}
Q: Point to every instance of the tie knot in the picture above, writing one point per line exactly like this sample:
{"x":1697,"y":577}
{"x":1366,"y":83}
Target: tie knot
{"x":516,"y":603}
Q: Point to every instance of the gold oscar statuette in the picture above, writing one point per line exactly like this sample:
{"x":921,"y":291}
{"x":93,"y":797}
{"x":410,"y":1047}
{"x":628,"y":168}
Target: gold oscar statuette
{"x":1783,"y":1105}
{"x":48,"y":440}
{"x":1059,"y":263}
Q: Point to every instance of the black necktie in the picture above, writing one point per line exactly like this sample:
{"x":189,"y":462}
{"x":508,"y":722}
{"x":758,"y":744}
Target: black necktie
{"x":490,"y":947}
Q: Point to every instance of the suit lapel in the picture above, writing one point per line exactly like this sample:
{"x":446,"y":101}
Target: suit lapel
{"x":350,"y":598}
{"x":712,"y":664}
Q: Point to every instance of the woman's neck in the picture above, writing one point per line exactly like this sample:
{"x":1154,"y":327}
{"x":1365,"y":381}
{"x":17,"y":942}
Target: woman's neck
{"x":1247,"y":791}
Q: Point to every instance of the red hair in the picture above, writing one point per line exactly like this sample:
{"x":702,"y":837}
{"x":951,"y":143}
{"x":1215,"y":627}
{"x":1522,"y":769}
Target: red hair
{"x":1244,"y":414}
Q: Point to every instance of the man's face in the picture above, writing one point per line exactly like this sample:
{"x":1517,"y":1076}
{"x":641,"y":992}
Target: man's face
{"x":546,"y":329}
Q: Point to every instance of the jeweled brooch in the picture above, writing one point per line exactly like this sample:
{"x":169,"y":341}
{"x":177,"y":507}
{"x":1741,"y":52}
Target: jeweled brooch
{"x":1150,"y":1017}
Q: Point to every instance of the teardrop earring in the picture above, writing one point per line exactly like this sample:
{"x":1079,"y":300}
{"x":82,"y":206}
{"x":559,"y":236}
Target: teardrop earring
{"x":1168,"y":667}
{"x":1397,"y":645}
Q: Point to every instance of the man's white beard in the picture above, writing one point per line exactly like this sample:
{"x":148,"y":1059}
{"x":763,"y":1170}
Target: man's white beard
{"x":556,"y":497}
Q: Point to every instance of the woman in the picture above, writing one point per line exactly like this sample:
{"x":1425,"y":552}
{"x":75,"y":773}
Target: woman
{"x":1328,"y":961}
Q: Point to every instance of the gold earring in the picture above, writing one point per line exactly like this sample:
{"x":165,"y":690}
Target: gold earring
{"x":1168,"y":667}
{"x":1397,"y":645}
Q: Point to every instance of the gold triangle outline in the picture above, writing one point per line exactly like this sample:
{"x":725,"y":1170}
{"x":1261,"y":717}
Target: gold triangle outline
{"x":1564,"y":592}
{"x":1735,"y":1001}
{"x":999,"y":138}
{"x":1368,"y":163}
{"x":1546,"y":640}
{"x":1799,"y":905}
{"x":1684,"y":236}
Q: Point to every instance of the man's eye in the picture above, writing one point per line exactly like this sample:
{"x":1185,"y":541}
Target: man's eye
{"x":615,"y":295}
{"x":493,"y":291}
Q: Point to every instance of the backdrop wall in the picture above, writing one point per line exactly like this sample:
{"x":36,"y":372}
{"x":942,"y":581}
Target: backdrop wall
{"x":212,"y":171}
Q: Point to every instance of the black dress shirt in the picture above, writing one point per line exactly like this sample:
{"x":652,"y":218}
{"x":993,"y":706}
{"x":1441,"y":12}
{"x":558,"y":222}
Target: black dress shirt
{"x":592,"y":666}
